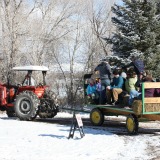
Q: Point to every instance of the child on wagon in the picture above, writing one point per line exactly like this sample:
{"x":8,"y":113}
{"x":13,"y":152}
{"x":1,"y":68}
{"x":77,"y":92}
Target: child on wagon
{"x":92,"y":94}
{"x":101,"y":92}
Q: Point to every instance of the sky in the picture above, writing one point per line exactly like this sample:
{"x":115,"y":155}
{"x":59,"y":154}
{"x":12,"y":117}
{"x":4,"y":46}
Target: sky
{"x":119,"y":2}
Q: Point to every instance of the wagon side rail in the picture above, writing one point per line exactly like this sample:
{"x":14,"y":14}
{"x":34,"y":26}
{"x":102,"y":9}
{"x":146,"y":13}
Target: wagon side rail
{"x":150,"y":100}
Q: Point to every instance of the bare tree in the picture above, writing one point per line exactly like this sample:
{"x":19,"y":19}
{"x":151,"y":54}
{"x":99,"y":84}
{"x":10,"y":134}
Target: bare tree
{"x":55,"y":33}
{"x":99,"y":13}
{"x":12,"y":32}
{"x":49,"y":26}
{"x":82,"y":45}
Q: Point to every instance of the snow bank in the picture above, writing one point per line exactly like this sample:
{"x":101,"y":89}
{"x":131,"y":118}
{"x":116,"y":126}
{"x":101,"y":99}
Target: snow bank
{"x":24,"y":140}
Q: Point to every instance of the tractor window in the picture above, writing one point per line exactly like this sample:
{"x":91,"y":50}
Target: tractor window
{"x":29,"y":80}
{"x":32,"y":82}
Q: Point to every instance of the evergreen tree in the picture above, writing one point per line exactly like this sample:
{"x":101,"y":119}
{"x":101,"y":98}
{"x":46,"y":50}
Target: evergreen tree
{"x":138,"y":31}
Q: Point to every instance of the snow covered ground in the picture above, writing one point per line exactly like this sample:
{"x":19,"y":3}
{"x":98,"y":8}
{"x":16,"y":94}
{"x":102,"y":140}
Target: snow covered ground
{"x":29,"y":140}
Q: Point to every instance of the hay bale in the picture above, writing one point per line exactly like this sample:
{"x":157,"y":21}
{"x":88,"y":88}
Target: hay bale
{"x":149,"y":107}
{"x":137,"y":106}
{"x":152,"y":107}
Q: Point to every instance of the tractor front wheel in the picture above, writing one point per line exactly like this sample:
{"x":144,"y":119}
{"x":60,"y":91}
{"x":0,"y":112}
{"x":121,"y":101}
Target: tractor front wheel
{"x":26,"y":105}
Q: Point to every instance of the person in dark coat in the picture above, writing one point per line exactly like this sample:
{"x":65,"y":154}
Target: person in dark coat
{"x":105,"y":72}
{"x":149,"y":92}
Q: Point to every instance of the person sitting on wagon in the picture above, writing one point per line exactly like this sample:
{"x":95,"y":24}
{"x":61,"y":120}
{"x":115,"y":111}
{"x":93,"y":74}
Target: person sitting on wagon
{"x":115,"y":88}
{"x":138,"y":66}
{"x":101,"y":92}
{"x":130,"y":86}
{"x":92,"y":92}
{"x":150,"y":92}
{"x":104,"y":70}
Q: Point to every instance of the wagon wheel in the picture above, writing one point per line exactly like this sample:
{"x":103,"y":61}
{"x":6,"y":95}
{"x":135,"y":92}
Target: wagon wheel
{"x":132,"y":124}
{"x":96,"y":117}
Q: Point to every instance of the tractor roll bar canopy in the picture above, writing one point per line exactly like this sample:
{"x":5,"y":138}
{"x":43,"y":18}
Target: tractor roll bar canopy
{"x":30,"y":68}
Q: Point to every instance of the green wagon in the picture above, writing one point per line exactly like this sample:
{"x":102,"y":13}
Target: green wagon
{"x":147,"y":108}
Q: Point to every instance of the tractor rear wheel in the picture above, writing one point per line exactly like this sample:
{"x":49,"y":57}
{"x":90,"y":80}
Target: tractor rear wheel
{"x":49,"y":105}
{"x":26,"y":105}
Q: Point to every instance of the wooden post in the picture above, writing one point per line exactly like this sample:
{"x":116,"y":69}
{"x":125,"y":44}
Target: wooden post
{"x":143,"y":109}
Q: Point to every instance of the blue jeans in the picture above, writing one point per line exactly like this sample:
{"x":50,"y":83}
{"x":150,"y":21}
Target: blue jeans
{"x":105,"y":82}
{"x":133,"y":94}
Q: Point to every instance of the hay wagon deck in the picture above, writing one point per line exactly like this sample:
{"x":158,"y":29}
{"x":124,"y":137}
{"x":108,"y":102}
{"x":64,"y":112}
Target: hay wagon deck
{"x":147,"y":108}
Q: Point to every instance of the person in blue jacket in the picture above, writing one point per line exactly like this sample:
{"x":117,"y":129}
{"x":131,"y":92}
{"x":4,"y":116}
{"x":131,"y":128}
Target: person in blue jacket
{"x":115,"y":88}
{"x":92,"y":90}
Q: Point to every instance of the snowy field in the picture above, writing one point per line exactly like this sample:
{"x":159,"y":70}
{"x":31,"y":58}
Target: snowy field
{"x":24,"y":140}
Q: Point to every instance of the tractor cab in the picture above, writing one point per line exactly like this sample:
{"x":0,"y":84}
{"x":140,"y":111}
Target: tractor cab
{"x":29,"y":82}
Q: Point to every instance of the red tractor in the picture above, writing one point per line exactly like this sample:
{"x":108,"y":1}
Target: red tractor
{"x":28,"y":100}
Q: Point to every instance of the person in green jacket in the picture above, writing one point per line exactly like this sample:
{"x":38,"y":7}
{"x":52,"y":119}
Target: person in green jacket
{"x":130,"y":86}
{"x":130,"y":83}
